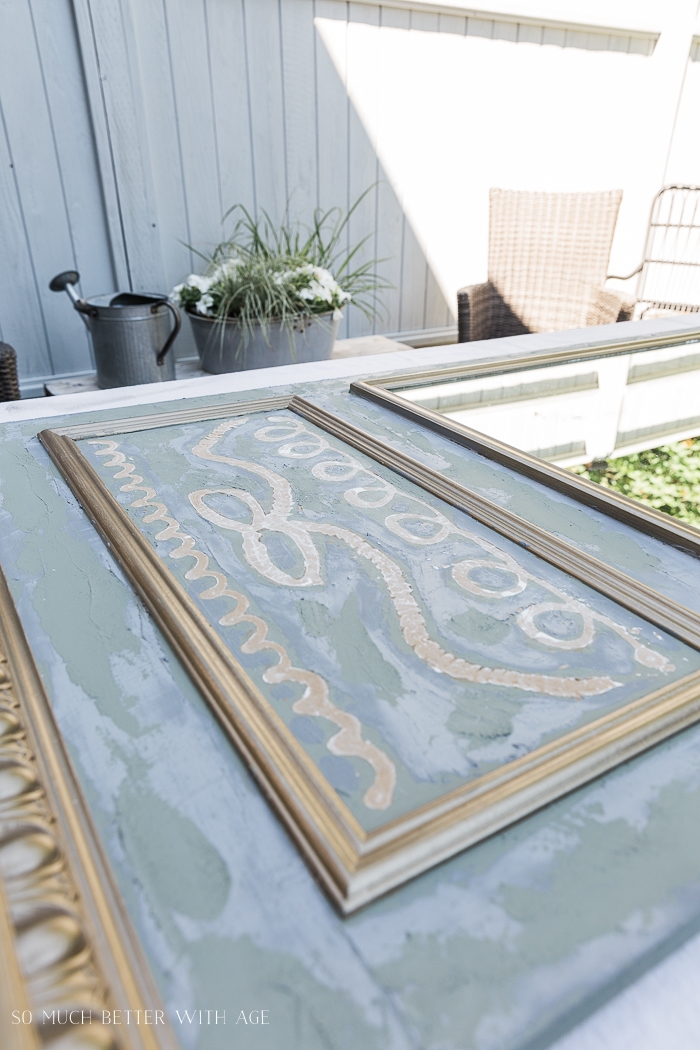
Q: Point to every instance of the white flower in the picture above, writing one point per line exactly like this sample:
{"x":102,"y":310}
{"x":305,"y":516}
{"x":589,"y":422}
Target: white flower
{"x":202,"y":283}
{"x":289,"y":275}
{"x":204,"y":305}
{"x":324,"y":278}
{"x":323,"y":288}
{"x":175,"y":294}
{"x":319,"y":287}
{"x":226,"y":269}
{"x":324,"y":291}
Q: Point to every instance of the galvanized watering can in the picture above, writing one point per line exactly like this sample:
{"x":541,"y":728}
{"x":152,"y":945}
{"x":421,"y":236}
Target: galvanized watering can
{"x":131,"y":333}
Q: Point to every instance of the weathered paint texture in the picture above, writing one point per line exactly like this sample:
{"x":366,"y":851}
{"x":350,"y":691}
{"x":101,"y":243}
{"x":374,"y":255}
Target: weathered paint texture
{"x":499,"y":949}
{"x":282,"y":518}
{"x":644,"y":558}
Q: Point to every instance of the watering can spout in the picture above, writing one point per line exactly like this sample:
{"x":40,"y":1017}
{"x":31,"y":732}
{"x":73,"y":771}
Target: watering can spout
{"x":65,"y":282}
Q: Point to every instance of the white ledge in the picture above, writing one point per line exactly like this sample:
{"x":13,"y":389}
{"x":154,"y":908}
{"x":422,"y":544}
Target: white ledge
{"x":344,"y":368}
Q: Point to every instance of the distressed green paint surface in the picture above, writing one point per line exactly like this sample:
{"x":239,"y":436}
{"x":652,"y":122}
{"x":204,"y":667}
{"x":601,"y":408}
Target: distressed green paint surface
{"x":279,"y":476}
{"x":642,"y":557}
{"x":499,"y":948}
{"x":360,"y":657}
{"x":597,"y":881}
{"x":171,"y":857}
{"x":306,"y":1012}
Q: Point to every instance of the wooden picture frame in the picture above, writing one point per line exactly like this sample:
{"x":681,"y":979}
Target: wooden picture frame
{"x":385,"y":391}
{"x":353,"y":863}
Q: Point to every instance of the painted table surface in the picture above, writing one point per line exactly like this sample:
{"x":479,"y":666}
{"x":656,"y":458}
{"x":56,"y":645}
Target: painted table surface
{"x":506,"y":946}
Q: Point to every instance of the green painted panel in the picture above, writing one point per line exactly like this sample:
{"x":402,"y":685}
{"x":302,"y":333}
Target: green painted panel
{"x":502,"y":948}
{"x":344,"y":589}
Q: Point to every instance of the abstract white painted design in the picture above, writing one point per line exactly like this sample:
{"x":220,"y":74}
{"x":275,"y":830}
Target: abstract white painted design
{"x":360,"y":596}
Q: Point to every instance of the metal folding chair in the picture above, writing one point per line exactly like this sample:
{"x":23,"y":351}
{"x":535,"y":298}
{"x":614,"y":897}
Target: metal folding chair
{"x":669,"y":273}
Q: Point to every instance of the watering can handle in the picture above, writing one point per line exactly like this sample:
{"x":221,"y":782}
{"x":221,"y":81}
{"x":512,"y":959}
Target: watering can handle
{"x":173,"y":335}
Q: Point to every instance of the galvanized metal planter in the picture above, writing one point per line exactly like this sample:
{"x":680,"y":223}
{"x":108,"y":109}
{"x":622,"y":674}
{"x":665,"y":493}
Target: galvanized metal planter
{"x":228,"y":347}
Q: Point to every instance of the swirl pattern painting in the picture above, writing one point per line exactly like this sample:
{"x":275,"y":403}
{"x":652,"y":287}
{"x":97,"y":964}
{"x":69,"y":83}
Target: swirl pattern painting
{"x":404,"y":665}
{"x":407,"y":648}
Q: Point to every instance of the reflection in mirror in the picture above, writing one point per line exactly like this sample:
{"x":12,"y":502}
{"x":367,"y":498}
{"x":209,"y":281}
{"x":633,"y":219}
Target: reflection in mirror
{"x":593,"y":408}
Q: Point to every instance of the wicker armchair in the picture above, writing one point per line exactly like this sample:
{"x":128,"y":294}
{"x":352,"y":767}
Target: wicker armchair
{"x":548,"y":259}
{"x":9,"y":385}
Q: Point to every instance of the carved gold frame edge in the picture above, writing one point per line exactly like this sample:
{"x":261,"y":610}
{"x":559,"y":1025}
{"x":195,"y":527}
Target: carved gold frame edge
{"x":353,"y":866}
{"x":13,"y":991}
{"x":108,"y":969}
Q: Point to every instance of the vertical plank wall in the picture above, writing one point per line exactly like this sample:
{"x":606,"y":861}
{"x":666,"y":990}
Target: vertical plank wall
{"x":129,"y":127}
{"x":52,"y":214}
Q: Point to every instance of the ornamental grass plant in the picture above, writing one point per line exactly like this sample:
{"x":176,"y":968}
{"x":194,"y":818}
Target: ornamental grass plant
{"x":266,"y":273}
{"x":665,"y":478}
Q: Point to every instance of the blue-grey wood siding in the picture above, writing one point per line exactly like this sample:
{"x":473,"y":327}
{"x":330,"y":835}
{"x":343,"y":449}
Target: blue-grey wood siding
{"x":51,"y":207}
{"x":128,"y":128}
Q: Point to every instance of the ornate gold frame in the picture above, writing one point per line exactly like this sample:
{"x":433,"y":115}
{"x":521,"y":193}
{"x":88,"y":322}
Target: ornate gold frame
{"x":355,"y":866}
{"x":67,"y":949}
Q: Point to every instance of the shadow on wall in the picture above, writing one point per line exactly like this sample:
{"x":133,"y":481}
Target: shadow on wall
{"x":213,"y":120}
{"x":253,"y":103}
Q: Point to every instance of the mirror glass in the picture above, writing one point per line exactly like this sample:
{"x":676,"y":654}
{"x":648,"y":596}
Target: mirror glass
{"x":590,"y":409}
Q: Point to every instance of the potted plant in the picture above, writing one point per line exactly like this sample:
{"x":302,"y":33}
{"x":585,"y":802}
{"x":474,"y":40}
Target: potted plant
{"x":274,"y":295}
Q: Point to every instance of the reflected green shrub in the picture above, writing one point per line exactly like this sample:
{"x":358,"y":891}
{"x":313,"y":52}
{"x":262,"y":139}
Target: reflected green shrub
{"x":666,"y":478}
